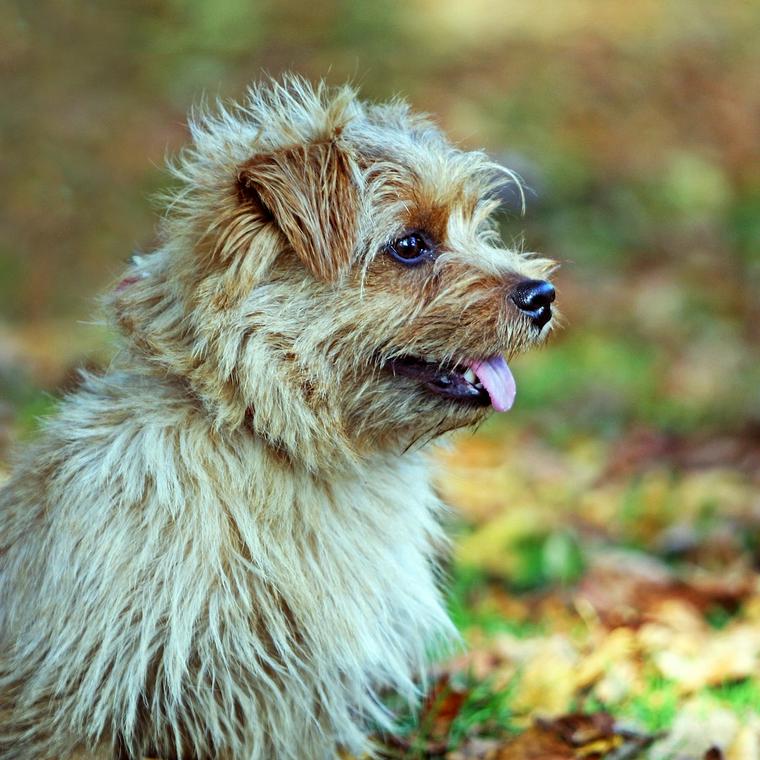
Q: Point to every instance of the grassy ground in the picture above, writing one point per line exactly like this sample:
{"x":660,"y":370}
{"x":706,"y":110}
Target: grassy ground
{"x":590,"y":580}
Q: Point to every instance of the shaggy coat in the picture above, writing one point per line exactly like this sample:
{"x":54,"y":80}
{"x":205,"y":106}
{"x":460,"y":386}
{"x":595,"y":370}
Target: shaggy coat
{"x":225,"y":546}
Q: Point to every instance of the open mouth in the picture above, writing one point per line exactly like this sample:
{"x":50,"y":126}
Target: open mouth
{"x":481,"y":382}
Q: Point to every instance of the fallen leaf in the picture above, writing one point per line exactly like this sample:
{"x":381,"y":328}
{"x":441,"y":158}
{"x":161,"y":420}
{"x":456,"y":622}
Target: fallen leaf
{"x":535,"y":744}
{"x":475,"y":749}
{"x":701,"y":726}
{"x":547,"y":683}
{"x":572,"y":737}
{"x":437,"y":713}
{"x":694,"y":656}
{"x":440,"y":709}
{"x":626,"y":588}
{"x":746,"y":743}
{"x":490,"y":547}
{"x":612,"y":649}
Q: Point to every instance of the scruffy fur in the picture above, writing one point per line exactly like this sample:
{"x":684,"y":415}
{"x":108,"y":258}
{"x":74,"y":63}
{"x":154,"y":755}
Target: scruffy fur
{"x":225,"y":546}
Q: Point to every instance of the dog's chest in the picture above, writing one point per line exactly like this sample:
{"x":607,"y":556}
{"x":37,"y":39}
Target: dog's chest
{"x":343,"y":576}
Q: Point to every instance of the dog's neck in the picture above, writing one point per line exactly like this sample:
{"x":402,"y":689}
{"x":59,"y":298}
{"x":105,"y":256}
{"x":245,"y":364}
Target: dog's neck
{"x":321,"y":459}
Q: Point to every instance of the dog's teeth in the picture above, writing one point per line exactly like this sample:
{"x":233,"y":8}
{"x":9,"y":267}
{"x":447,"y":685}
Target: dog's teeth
{"x":470,"y":377}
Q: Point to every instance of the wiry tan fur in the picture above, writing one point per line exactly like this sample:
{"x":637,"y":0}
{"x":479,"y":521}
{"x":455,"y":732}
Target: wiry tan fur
{"x":225,"y":546}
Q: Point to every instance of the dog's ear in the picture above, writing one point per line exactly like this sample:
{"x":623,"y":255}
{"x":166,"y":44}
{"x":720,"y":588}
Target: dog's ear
{"x":311,"y":196}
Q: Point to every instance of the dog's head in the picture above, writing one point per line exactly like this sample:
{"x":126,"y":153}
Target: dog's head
{"x":330,"y":275}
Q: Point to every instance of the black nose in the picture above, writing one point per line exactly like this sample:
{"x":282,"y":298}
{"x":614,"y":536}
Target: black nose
{"x":534,"y":297}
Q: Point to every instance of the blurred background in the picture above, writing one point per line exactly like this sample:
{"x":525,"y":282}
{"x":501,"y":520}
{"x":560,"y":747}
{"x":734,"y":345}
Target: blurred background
{"x":636,"y":127}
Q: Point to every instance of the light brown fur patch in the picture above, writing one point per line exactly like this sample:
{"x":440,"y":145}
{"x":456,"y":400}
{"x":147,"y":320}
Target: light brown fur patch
{"x":310,"y":194}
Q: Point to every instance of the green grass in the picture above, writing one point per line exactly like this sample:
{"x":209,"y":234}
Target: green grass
{"x":465,"y":593}
{"x":741,"y":696}
{"x":656,"y":708}
{"x":34,"y":409}
{"x":487,"y":710}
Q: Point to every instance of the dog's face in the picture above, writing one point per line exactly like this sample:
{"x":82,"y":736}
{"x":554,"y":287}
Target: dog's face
{"x":331,"y":276}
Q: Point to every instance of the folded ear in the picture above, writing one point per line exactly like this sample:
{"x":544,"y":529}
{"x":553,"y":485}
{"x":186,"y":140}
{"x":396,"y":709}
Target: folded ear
{"x":311,"y":196}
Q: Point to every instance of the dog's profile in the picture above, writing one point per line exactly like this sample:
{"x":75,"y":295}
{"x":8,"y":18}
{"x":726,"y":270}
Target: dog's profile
{"x":225,"y":546}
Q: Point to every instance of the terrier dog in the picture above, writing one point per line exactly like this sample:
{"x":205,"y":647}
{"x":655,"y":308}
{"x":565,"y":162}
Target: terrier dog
{"x":226,"y":545}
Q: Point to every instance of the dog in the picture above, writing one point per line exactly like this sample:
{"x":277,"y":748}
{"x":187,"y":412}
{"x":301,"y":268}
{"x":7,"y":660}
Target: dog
{"x":227,"y":545}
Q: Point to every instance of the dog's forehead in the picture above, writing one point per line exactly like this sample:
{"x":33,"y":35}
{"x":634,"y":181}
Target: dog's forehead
{"x":410,"y":154}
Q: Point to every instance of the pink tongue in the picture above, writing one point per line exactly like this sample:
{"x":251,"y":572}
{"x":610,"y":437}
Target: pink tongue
{"x":497,"y":380}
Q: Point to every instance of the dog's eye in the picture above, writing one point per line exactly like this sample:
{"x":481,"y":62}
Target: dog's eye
{"x":411,"y":249}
